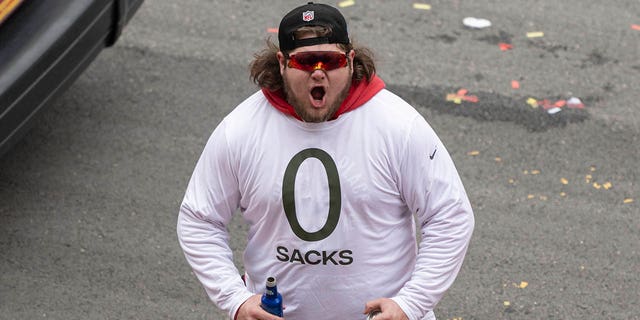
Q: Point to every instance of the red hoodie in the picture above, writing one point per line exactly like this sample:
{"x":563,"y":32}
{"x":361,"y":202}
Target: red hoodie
{"x":359,"y":93}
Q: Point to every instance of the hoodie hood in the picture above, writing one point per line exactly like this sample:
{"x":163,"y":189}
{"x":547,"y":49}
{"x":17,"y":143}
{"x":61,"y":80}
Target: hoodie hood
{"x":359,"y":93}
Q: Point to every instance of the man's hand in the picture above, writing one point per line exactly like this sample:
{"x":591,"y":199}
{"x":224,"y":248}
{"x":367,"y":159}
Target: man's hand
{"x":390,"y":310}
{"x":251,"y":310}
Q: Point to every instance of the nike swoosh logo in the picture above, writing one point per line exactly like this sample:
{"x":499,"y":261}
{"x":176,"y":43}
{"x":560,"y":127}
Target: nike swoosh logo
{"x":433,"y":154}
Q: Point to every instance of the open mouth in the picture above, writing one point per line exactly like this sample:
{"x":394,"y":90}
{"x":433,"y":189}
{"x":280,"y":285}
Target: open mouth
{"x":317,"y":96}
{"x":317,"y":93}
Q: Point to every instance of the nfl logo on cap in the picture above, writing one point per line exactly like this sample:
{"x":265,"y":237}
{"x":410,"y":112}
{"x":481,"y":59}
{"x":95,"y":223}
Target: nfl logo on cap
{"x":307,"y":16}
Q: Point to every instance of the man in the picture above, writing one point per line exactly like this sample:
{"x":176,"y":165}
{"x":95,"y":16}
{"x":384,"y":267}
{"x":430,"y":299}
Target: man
{"x":329,"y":170}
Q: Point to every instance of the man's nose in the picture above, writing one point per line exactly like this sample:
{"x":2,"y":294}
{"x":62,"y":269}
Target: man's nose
{"x":318,"y":74}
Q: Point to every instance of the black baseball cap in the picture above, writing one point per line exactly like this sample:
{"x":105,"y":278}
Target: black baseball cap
{"x":312,"y":14}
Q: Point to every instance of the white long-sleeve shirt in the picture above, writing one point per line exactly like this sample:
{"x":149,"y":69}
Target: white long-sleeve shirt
{"x":330,"y":208}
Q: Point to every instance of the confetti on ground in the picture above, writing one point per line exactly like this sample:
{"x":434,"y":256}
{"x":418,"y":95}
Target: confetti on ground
{"x":592,"y":169}
{"x":347,"y":3}
{"x":535,"y":171}
{"x":588,"y":178}
{"x":635,"y":27}
{"x":515,"y":84}
{"x":530,"y":196}
{"x":422,"y":6}
{"x":272,"y":30}
{"x":627,"y":200}
{"x":536,"y":34}
{"x":505,"y":46}
{"x":546,"y":104}
{"x":523,"y":284}
{"x":607,"y":185}
{"x":564,"y":181}
{"x":533,"y":103}
{"x":563,"y":194}
{"x":473,"y":153}
{"x":476,"y":23}
{"x":575,"y":103}
{"x":554,"y":110}
{"x":460,"y":96}
{"x":498,"y":159}
{"x":597,"y":185}
{"x":506,"y":303}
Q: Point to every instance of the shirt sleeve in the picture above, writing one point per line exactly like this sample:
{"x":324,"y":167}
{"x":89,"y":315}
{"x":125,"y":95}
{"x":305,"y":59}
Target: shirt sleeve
{"x":434,"y":192}
{"x":210,"y":200}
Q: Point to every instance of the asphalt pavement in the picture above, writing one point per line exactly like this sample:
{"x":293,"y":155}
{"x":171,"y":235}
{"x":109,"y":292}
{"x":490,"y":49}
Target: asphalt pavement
{"x":89,"y":199}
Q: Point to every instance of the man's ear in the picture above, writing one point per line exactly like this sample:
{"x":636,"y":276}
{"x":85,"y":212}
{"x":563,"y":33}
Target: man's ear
{"x":282,"y":60}
{"x":350,"y":56}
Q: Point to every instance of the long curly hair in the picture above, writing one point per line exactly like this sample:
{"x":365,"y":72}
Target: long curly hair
{"x":265,"y":68}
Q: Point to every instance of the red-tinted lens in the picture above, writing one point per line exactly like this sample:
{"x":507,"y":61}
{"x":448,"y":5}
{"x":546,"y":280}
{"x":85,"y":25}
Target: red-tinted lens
{"x":314,"y":60}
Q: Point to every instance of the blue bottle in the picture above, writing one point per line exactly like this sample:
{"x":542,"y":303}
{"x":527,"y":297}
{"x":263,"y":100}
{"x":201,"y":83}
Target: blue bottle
{"x":271,"y":299}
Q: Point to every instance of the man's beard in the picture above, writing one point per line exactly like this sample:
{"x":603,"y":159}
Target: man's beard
{"x":298,"y":105}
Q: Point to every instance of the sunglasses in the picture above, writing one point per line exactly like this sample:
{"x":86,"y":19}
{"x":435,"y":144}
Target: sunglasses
{"x":317,"y":60}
